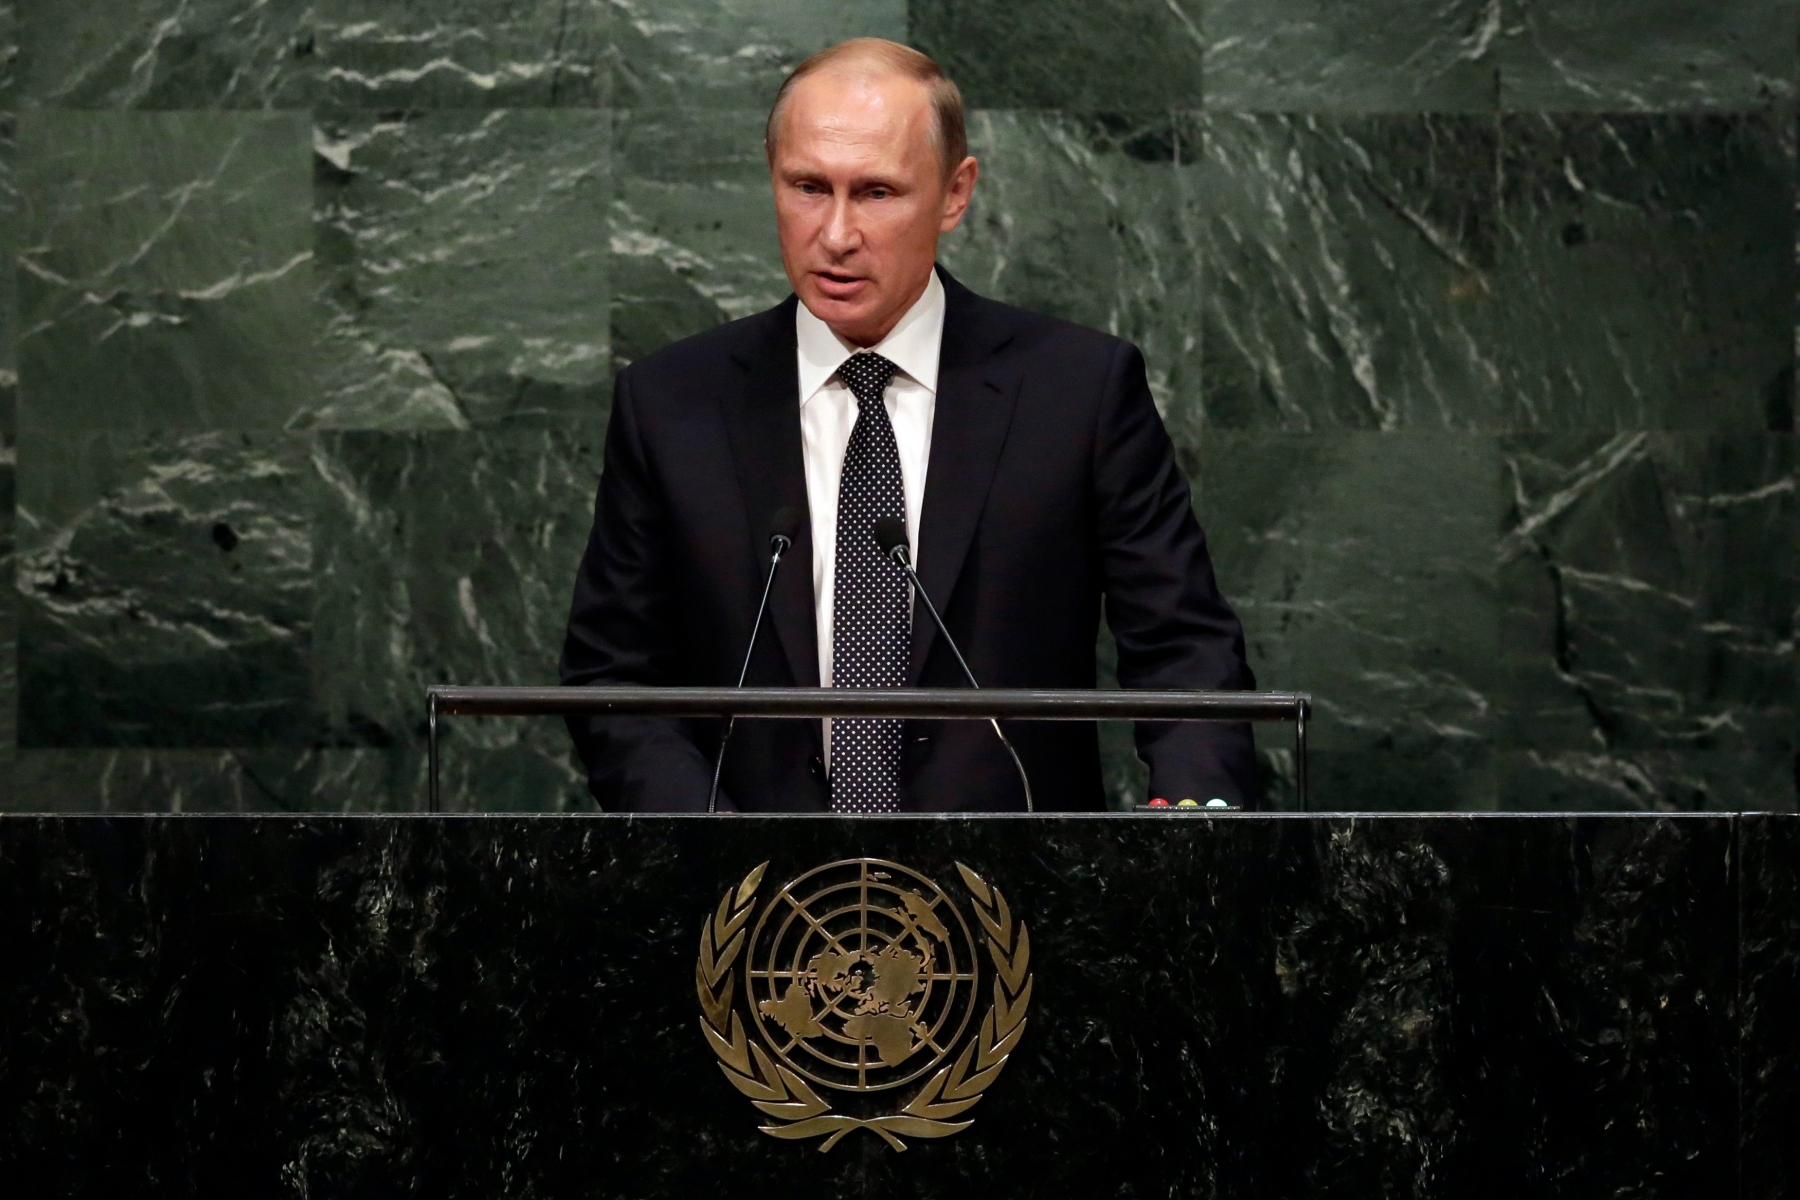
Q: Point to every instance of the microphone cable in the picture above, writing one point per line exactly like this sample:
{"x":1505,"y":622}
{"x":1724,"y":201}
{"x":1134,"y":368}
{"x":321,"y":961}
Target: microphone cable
{"x":782,"y":530}
{"x":890,"y":535}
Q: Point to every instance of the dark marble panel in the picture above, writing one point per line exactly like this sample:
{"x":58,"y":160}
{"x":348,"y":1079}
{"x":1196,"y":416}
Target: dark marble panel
{"x":449,"y":559}
{"x":1362,"y":567}
{"x":1647,"y":593}
{"x":529,"y":769}
{"x":1645,"y":780}
{"x":1416,"y":773}
{"x":9,"y":55}
{"x":166,"y":54}
{"x":1639,"y":983}
{"x":1130,"y":55}
{"x":1117,"y":249}
{"x":1649,"y":55}
{"x":9,"y":402}
{"x":9,"y":613}
{"x":693,"y":226}
{"x":1349,"y":272}
{"x":385,"y":54}
{"x":11,"y":203}
{"x":1233,"y":1008}
{"x":1647,"y":271}
{"x":166,"y":590}
{"x":532,"y":771}
{"x":731,"y":53}
{"x":194,"y":781}
{"x":1769,"y":848}
{"x":166,"y":272}
{"x":462,"y":268}
{"x":1351,"y":55}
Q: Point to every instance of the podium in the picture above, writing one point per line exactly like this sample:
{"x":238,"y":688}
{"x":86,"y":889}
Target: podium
{"x":1219,"y":1005}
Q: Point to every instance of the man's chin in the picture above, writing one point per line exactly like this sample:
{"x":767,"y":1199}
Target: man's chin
{"x":841,"y":315}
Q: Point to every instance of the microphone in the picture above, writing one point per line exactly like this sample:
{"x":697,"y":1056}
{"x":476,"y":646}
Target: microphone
{"x":783,"y":528}
{"x":890,"y":535}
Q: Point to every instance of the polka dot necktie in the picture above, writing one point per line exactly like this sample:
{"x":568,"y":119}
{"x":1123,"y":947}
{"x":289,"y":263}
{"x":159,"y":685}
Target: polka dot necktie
{"x":871,"y":617}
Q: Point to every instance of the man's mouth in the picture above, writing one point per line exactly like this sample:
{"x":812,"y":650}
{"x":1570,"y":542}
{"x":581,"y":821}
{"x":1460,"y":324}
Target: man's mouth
{"x":838,"y":284}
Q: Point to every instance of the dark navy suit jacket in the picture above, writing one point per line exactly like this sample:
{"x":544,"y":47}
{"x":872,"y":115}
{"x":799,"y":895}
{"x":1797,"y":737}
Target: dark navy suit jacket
{"x":1052,"y":490}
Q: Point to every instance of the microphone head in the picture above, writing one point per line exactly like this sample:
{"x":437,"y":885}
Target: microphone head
{"x":784,"y":527}
{"x":890,"y":535}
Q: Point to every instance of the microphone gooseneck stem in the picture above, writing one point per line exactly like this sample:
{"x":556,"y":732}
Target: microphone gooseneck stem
{"x":778,"y":548}
{"x":900,"y":556}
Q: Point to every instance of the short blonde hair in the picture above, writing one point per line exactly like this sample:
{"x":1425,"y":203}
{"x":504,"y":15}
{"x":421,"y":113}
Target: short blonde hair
{"x":948,"y":131}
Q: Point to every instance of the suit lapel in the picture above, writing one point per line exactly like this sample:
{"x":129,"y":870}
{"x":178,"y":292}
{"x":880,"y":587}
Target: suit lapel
{"x":975,"y":399}
{"x":763,"y":424}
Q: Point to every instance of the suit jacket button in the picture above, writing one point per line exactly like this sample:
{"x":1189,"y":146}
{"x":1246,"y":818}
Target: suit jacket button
{"x":815,"y":766}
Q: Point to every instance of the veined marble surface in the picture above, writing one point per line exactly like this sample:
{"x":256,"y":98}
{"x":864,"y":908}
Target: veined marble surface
{"x":165,"y":54}
{"x":1132,"y":56}
{"x":692,"y":232}
{"x":1402,"y":673}
{"x":417,"y":215}
{"x":387,"y":54}
{"x":1648,"y":271}
{"x":166,"y":590}
{"x":730,"y":53}
{"x":452,"y":558}
{"x":164,"y":269}
{"x":9,"y":411}
{"x":9,"y":54}
{"x":1414,"y":1007}
{"x":1664,"y":54}
{"x":1647,"y":591}
{"x":1349,"y":272}
{"x":1352,"y":55}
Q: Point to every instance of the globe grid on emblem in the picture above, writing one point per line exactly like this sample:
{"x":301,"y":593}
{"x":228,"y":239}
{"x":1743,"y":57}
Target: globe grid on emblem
{"x":861,"y":975}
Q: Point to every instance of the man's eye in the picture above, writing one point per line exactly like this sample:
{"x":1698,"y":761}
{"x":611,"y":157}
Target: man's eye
{"x":809,"y":189}
{"x":878,"y":193}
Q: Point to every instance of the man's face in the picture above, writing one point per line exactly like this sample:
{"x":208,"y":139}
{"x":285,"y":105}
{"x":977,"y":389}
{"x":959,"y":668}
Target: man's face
{"x":861,"y":197}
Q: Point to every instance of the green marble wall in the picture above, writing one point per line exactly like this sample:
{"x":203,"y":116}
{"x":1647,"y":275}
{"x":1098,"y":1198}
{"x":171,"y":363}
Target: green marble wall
{"x":1473,"y":319}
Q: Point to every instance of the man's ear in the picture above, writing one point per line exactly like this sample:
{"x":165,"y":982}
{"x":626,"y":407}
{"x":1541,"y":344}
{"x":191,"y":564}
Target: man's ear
{"x":957,"y":193}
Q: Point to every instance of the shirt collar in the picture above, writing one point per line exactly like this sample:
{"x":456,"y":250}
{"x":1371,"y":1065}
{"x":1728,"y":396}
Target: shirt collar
{"x":912,"y":345}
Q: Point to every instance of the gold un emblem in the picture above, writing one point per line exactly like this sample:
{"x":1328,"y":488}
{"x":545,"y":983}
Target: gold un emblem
{"x":861,"y":977}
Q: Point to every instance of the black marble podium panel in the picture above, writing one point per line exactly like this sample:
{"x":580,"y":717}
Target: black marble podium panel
{"x":1227,"y":1006}
{"x":1771,"y":1005}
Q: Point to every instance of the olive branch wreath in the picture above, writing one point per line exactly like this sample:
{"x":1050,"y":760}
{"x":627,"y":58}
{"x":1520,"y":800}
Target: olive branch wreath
{"x":782,"y":1094}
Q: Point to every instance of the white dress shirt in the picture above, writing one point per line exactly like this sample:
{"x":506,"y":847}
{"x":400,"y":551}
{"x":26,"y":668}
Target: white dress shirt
{"x":827,"y":413}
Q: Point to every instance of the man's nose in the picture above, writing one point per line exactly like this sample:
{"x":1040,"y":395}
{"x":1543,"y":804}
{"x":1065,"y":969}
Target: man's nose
{"x":840,"y":235}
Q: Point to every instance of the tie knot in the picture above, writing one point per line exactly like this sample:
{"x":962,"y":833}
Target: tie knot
{"x":867,"y":375}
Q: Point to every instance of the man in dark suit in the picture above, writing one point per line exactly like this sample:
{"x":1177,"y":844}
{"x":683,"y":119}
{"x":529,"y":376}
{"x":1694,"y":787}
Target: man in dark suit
{"x":1024,"y":455}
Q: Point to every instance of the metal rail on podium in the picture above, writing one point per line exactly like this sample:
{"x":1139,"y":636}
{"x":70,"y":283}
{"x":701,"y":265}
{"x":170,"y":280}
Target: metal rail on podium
{"x":903,"y":703}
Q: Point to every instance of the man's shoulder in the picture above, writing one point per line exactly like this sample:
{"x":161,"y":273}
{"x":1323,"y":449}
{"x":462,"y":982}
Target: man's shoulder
{"x":1035,"y":333}
{"x":1041,"y":331}
{"x":712,"y":349}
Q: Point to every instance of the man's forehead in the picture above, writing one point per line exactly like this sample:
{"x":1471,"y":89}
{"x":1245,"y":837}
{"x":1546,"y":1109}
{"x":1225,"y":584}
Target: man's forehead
{"x":854,"y":97}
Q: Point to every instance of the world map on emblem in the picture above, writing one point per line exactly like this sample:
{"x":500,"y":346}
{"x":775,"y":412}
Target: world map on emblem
{"x":861,"y":975}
